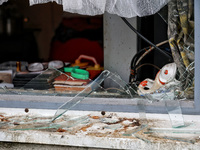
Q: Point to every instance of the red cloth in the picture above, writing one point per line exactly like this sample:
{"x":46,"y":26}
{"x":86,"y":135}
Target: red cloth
{"x":72,"y":49}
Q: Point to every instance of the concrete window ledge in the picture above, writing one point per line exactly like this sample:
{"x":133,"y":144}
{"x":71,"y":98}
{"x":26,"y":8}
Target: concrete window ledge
{"x":29,"y":139}
{"x":25,"y":146}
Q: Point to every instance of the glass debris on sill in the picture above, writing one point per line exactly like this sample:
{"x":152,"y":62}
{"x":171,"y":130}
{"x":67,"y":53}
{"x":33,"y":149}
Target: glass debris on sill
{"x":188,"y":135}
{"x":114,"y":126}
{"x":135,"y":130}
{"x":41,"y":124}
{"x":95,"y":86}
{"x":109,"y":125}
{"x":67,"y":123}
{"x":100,"y":125}
{"x":174,"y":130}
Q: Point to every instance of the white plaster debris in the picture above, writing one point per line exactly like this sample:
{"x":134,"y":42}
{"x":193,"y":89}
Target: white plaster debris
{"x":97,"y":127}
{"x":127,"y":122}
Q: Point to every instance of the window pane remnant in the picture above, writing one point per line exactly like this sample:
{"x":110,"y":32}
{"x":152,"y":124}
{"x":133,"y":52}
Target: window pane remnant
{"x":175,"y":79}
{"x":181,"y":39}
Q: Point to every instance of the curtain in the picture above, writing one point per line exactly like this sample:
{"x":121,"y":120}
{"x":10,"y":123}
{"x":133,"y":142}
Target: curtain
{"x":181,"y":40}
{"x":123,"y":8}
{"x":2,"y":1}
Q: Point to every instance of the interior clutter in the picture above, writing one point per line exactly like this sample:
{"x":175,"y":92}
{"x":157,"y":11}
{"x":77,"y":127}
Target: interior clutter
{"x":75,"y":40}
{"x":29,"y":46}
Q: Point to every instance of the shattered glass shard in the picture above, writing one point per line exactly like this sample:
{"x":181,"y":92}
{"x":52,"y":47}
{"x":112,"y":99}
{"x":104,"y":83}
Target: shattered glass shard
{"x":175,"y":113}
{"x":93,"y":86}
{"x":133,"y":131}
{"x":40,"y":124}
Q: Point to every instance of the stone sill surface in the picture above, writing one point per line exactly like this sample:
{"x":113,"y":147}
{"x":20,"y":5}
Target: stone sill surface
{"x":107,"y":140}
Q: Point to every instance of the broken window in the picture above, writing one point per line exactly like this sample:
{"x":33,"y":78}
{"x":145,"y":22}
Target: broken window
{"x":172,"y":76}
{"x":153,"y":67}
{"x":171,"y":83}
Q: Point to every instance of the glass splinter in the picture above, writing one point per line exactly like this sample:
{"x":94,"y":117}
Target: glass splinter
{"x":134,"y":131}
{"x":175,"y":113}
{"x":80,"y":96}
{"x":91,"y":88}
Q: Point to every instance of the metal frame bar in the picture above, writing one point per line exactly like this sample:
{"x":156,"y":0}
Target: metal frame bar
{"x":197,"y":56}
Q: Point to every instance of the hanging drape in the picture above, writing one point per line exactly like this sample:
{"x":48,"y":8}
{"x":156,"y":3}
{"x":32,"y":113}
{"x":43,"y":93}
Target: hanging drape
{"x":123,"y":8}
{"x":181,"y":40}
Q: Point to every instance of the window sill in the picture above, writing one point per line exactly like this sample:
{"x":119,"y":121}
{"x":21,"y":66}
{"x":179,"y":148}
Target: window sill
{"x":82,"y":139}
